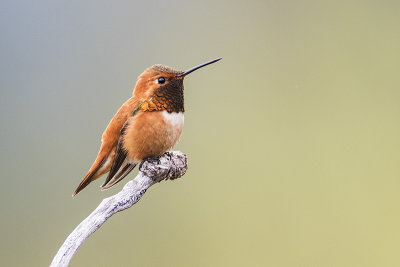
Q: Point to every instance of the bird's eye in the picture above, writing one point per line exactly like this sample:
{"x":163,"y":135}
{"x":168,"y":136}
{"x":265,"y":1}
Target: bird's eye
{"x":161,"y":80}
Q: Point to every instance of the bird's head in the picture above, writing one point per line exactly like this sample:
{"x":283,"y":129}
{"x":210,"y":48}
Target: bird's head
{"x":162,"y":78}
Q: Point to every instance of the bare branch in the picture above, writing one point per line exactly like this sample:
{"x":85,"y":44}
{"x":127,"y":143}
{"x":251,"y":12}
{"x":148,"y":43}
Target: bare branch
{"x":170,"y":166}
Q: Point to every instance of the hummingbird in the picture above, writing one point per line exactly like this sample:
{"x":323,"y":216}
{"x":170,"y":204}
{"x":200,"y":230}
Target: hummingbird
{"x":147,"y":125}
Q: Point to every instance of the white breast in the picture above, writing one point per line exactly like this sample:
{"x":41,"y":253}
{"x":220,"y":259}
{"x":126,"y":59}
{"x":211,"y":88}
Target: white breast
{"x":175,"y":121}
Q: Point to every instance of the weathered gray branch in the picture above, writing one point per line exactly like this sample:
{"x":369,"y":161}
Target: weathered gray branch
{"x":170,"y":166}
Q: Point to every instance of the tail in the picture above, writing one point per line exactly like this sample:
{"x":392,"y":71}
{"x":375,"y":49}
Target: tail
{"x":92,"y":175}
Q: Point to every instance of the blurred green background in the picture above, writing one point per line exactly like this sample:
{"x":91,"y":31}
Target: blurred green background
{"x":293,"y":139}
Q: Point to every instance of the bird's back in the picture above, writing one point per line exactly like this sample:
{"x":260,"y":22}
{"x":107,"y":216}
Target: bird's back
{"x":109,"y":141}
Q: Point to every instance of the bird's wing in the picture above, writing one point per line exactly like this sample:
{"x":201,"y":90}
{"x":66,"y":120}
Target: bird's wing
{"x":110,"y":137}
{"x":120,"y":167}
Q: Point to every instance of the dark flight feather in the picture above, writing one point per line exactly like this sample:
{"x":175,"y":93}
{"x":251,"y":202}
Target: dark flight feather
{"x":120,"y":168}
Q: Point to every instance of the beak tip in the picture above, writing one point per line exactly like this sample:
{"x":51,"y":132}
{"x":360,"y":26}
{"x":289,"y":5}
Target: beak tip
{"x":197,"y":67}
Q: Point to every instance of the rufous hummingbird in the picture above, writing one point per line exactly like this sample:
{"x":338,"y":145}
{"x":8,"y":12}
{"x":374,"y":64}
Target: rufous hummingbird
{"x":147,"y":125}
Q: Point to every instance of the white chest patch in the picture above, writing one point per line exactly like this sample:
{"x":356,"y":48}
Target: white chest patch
{"x":175,"y":119}
{"x":174,"y":127}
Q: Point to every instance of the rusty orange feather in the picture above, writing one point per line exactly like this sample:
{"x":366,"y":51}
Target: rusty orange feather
{"x":146,"y":125}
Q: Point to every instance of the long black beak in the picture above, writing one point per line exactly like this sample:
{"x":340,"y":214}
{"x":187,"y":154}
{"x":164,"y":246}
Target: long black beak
{"x":197,"y":67}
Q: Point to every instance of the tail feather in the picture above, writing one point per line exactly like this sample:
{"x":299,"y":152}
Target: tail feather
{"x":90,"y":176}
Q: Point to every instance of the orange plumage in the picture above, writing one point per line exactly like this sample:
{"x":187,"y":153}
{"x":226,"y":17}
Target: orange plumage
{"x":146,"y":125}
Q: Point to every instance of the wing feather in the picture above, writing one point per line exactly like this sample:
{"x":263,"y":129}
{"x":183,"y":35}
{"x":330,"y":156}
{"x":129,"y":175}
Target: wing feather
{"x":110,"y":139}
{"x":120,"y":167}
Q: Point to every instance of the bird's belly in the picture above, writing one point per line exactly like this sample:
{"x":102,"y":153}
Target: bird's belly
{"x":152,"y":134}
